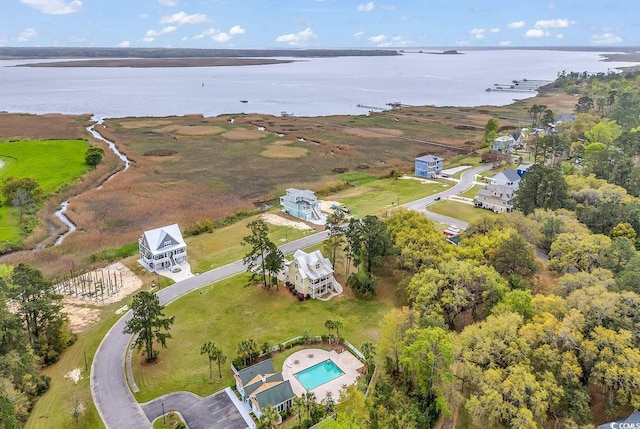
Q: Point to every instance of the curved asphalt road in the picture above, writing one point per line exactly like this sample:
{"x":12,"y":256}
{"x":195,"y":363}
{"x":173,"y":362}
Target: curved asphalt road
{"x":111,"y":394}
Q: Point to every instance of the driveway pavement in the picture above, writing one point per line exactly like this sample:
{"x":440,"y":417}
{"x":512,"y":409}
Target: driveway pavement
{"x":216,"y":411}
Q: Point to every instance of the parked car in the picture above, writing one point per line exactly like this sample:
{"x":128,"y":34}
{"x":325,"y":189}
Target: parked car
{"x":437,"y":198}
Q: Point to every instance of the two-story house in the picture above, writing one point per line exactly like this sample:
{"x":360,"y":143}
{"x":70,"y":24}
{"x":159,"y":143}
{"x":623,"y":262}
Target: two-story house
{"x":428,"y":166}
{"x":498,"y":198}
{"x":261,"y":386}
{"x":302,"y":204}
{"x":162,"y":248}
{"x":311,"y":273}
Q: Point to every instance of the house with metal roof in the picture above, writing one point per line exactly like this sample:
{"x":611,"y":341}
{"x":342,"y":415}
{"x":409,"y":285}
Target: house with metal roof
{"x":162,"y":248}
{"x":311,"y":273}
{"x":522,"y":169}
{"x":260,"y":386}
{"x":302,"y":204}
{"x":428,"y":166}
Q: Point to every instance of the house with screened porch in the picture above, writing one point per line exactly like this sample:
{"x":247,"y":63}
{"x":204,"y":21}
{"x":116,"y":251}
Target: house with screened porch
{"x":162,"y":248}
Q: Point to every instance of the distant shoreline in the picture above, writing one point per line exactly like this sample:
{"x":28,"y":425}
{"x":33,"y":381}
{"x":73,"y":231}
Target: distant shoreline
{"x":161,"y":62}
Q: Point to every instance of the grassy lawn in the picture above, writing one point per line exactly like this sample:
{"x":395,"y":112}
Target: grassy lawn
{"x":208,"y":251}
{"x":471,"y":192}
{"x":462,"y":211}
{"x":380,"y":195}
{"x":53,"y":409}
{"x":472,"y":159}
{"x":228,"y":312}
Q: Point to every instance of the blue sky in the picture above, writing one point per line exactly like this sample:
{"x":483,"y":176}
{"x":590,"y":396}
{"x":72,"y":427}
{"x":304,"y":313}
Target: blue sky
{"x":319,"y":23}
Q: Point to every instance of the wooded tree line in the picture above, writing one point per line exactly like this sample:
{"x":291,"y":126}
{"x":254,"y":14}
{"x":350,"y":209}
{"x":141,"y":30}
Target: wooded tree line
{"x":33,"y":333}
{"x":527,"y":350}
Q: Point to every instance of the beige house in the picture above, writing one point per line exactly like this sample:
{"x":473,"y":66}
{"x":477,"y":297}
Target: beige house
{"x":311,"y":273}
{"x":499,"y":198}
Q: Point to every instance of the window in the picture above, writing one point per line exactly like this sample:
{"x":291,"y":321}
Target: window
{"x":296,"y":265}
{"x":167,"y":243}
{"x":317,"y":266}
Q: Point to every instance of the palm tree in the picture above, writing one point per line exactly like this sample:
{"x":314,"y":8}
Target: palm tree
{"x":246,"y":349}
{"x":269,"y":419}
{"x":309,"y":399}
{"x":330,"y":324}
{"x":210,"y":349}
{"x":297,"y":407}
{"x":368,"y":350}
{"x":337,"y":325}
{"x":220,"y":358}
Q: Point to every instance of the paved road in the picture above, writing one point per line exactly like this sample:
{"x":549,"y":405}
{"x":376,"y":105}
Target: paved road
{"x":115,"y":402}
{"x":466,"y":182}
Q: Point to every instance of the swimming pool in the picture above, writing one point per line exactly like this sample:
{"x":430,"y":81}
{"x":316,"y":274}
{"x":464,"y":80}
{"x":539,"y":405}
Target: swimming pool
{"x":318,"y":374}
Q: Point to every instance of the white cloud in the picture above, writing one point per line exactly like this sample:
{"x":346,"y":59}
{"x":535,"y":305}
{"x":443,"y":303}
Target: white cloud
{"x":505,"y":43}
{"x":478,"y":33}
{"x":54,"y":7}
{"x":358,"y":34}
{"x":168,"y":2}
{"x":296,"y":39}
{"x":26,"y":34}
{"x":552,"y":23}
{"x":377,"y":39}
{"x":367,"y":7}
{"x":143,"y":16}
{"x":221,"y":37}
{"x":124,"y":44}
{"x":536,"y":32}
{"x":559,"y":36}
{"x":516,"y":24}
{"x":395,"y":41}
{"x":152,"y":34}
{"x":494,"y":30}
{"x":235,"y":30}
{"x":605,"y":39}
{"x":182,"y":18}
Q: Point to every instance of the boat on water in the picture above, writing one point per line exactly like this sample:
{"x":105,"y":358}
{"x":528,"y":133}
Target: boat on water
{"x":244,"y":101}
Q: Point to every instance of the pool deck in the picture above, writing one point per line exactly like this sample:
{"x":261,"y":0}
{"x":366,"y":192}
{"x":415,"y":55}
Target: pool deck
{"x":306,"y":358}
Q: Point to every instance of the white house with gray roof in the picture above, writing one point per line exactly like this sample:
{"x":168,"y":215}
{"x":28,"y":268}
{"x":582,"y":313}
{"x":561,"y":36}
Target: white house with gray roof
{"x":509,"y":178}
{"x":311,"y":273}
{"x":162,"y":248}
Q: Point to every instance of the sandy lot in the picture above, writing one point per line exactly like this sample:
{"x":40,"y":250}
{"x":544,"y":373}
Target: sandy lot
{"x":274,"y":219}
{"x":83,"y":312}
{"x":144,"y":124}
{"x":419,"y":179}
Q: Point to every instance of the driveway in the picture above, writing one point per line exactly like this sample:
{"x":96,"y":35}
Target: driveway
{"x":216,"y":411}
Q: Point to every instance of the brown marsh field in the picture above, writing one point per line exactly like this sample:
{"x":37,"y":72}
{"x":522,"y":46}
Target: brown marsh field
{"x":191,"y":168}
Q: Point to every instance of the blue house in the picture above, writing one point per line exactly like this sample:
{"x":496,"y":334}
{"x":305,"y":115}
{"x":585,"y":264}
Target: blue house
{"x":302,"y":204}
{"x":522,"y":169}
{"x":428,"y":166}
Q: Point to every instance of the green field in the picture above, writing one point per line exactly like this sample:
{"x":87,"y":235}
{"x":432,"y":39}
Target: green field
{"x":378,"y":196}
{"x":52,"y":163}
{"x":207,"y":251}
{"x":228,"y":312}
{"x":462,"y":211}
